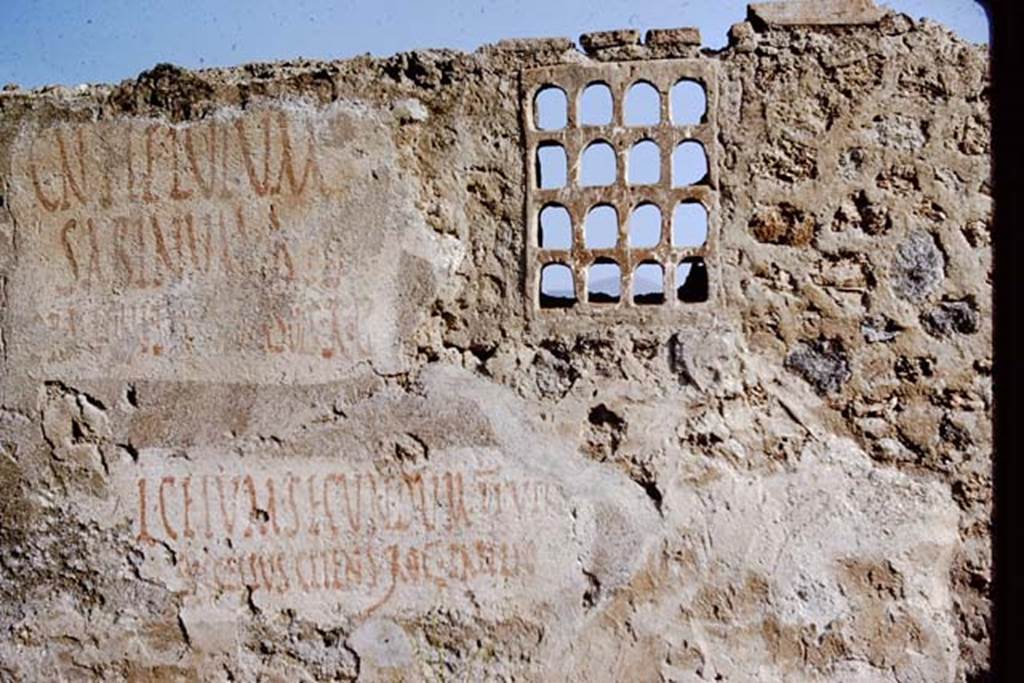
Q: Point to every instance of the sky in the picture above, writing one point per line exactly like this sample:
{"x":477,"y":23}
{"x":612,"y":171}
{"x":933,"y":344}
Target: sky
{"x":98,"y":41}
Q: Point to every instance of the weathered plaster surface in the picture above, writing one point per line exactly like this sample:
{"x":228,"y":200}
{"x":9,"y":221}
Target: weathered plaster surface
{"x":276,"y":403}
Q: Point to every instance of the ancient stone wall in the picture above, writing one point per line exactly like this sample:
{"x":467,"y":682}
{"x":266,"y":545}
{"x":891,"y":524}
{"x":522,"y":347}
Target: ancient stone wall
{"x":281,"y":397}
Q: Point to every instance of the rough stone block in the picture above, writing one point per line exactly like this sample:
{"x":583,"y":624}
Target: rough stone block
{"x":603,"y":40}
{"x":534,"y":44}
{"x":673,"y":36}
{"x":816,"y":12}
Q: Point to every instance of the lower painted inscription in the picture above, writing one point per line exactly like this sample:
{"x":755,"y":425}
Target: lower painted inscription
{"x":360,"y":537}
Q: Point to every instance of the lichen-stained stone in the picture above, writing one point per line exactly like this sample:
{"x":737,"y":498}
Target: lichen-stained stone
{"x":279,"y":399}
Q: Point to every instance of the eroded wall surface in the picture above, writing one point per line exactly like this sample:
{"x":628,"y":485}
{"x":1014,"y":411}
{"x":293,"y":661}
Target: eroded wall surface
{"x":278,"y":399}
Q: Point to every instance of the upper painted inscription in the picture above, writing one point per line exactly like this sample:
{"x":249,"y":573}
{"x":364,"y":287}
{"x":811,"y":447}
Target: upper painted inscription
{"x":145,"y":205}
{"x":242,"y":242}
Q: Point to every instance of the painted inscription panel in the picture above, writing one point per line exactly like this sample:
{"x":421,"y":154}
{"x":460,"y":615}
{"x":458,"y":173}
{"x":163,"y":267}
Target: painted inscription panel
{"x":251,"y":244}
{"x":325,"y":535}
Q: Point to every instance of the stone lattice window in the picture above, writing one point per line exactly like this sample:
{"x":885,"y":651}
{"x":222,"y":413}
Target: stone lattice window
{"x":622,"y":208}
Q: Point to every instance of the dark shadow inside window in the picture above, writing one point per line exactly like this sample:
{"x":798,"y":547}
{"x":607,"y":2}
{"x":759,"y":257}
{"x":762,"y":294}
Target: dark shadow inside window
{"x":692,"y":280}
